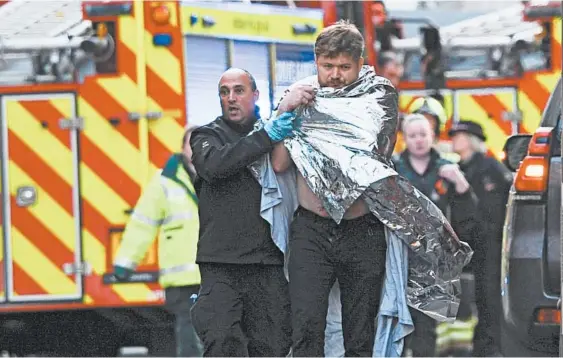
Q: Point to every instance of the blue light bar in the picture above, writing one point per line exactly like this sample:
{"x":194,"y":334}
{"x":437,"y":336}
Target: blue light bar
{"x":108,"y":10}
{"x":162,"y":40}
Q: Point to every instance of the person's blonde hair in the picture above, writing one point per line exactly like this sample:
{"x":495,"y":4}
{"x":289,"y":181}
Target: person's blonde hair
{"x":411,"y":118}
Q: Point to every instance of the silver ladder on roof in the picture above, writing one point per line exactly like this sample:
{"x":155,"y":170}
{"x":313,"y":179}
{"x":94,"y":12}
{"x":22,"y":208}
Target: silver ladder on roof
{"x":39,"y":40}
{"x":498,"y":28}
{"x":505,"y":22}
{"x":24,"y":19}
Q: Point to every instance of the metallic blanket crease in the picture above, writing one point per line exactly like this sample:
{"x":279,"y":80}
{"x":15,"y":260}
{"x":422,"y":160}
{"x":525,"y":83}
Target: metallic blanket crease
{"x":342,"y":150}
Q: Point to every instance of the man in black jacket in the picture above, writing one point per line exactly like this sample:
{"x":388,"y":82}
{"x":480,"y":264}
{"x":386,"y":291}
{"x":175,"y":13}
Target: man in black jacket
{"x":491,"y":182}
{"x":243,"y":305}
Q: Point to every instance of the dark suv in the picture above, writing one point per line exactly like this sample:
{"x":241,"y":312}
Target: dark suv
{"x":531,"y":272}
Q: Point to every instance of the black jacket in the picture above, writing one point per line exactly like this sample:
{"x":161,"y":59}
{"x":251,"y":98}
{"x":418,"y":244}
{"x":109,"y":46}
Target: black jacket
{"x":231,"y":228}
{"x":460,"y":209}
{"x":491,"y":183}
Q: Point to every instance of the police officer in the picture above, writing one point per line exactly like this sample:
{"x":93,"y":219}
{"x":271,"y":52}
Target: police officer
{"x":491,"y":183}
{"x":169,"y":207}
{"x":243,"y":305}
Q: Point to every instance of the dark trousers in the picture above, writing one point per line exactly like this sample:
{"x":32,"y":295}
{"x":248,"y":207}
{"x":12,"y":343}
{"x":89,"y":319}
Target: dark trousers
{"x":486,"y":268}
{"x":179,"y":302}
{"x":320,"y":252}
{"x":243,"y":310}
{"x":421,"y":342}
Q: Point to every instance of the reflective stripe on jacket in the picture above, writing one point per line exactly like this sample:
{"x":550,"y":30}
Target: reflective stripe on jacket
{"x":167,"y":208}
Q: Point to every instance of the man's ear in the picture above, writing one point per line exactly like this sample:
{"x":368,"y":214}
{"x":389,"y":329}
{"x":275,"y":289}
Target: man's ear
{"x":256,"y":95}
{"x":361,"y":62}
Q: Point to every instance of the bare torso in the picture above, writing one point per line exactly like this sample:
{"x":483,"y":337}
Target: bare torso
{"x":309,"y":201}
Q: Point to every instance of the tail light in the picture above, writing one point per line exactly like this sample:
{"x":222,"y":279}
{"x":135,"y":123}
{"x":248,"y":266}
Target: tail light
{"x":534,"y":170}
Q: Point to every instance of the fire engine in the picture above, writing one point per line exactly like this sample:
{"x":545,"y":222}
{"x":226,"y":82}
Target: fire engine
{"x":498,"y":69}
{"x":94,"y":97}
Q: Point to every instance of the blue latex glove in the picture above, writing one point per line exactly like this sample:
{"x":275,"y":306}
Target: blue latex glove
{"x":280,"y":127}
{"x":122,"y":273}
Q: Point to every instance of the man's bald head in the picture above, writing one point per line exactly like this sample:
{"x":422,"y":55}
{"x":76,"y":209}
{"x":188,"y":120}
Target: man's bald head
{"x":234,"y":71}
{"x":238,"y":94}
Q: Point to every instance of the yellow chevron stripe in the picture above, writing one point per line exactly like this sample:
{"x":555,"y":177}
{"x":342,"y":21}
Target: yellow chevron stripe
{"x":94,"y":252}
{"x":173,"y":13}
{"x":52,"y":216}
{"x":134,"y":292}
{"x":127,"y":32}
{"x":495,"y":135}
{"x":163,"y":62}
{"x":110,"y":141}
{"x":556,"y":31}
{"x":531,"y":113}
{"x":37,"y":266}
{"x":166,"y":129}
{"x":100,"y":195}
{"x":124,"y":91}
{"x":159,"y":59}
{"x":507,"y":99}
{"x":46,"y":210}
{"x":548,"y":80}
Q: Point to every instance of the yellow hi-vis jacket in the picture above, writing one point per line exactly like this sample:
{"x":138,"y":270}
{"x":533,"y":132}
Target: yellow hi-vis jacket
{"x":168,"y":206}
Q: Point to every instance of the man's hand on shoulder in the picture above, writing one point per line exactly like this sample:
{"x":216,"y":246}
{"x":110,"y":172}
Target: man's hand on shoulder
{"x":297,"y":96}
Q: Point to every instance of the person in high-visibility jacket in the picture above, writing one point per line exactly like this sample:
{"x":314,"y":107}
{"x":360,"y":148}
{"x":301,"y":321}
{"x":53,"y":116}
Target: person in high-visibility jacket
{"x":168,"y":207}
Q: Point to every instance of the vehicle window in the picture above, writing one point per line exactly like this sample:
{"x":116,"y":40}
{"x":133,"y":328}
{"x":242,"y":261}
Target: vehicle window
{"x":466,"y":60}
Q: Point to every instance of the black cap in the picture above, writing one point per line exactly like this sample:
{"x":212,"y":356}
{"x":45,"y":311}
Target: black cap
{"x":468,"y":127}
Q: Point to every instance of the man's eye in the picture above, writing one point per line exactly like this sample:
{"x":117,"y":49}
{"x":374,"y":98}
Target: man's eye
{"x":239,"y":91}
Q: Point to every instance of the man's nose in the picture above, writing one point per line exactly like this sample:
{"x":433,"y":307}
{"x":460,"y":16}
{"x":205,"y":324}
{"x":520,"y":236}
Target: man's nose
{"x":335,"y":73}
{"x":231,"y":97}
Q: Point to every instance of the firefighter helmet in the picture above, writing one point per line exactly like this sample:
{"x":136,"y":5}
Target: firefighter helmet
{"x":431,"y":106}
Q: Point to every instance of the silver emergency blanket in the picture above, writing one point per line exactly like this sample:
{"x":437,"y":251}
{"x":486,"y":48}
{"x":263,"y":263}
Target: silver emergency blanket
{"x":342,"y":149}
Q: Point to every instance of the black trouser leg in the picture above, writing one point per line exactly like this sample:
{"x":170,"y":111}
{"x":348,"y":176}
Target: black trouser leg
{"x":217,"y":313}
{"x":361,"y":252}
{"x":311,"y":276}
{"x":178,"y":301}
{"x":267,"y":312}
{"x":487,"y":292}
{"x":421,"y":342}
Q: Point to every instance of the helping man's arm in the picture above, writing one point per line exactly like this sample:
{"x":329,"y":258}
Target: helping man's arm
{"x":214,"y":160}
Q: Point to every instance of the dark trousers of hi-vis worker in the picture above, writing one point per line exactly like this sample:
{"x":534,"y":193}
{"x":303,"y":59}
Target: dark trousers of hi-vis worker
{"x":321,"y":251}
{"x":243,"y":310}
{"x":179,"y":303}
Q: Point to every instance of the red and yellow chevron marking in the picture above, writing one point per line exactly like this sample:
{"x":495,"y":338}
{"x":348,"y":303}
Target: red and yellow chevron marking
{"x":42,"y":236}
{"x":115,"y":161}
{"x":406,"y":99}
{"x":484,"y":107}
{"x":165,"y":84}
{"x":534,"y":89}
{"x":120,"y":156}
